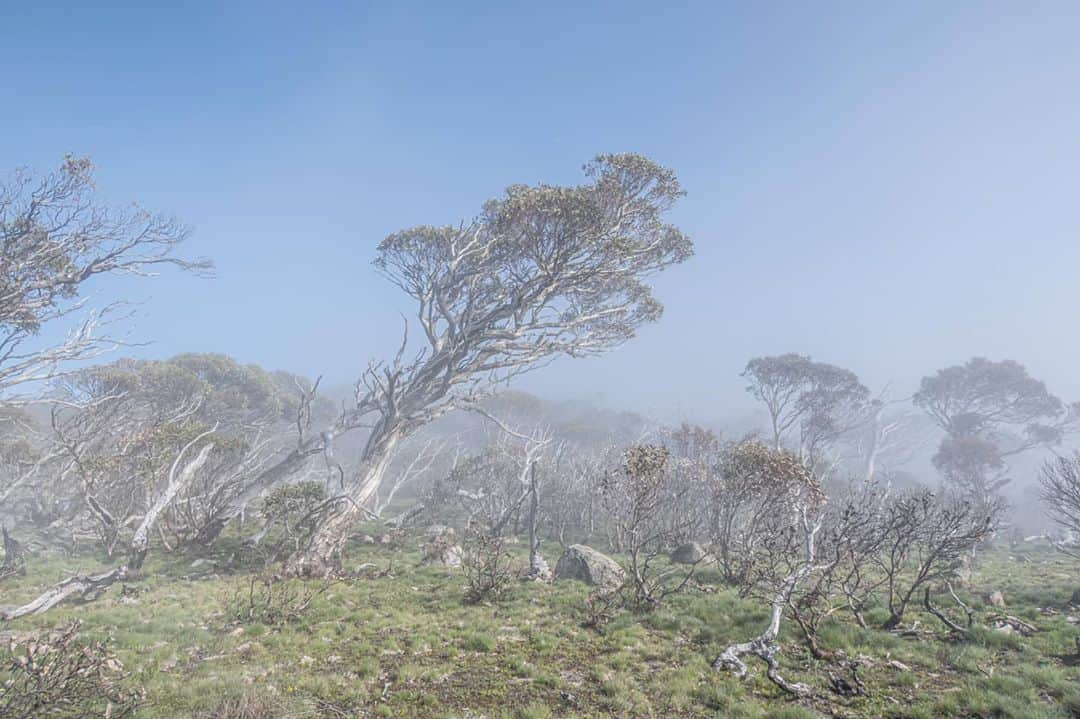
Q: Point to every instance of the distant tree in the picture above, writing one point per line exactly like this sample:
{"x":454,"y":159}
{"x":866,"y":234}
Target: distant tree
{"x":691,"y":441}
{"x":543,"y":271}
{"x":814,"y":401}
{"x":56,"y":236}
{"x":889,"y":439}
{"x":989,"y":411}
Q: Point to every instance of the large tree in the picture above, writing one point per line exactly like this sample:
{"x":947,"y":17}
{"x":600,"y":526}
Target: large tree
{"x":56,"y":236}
{"x":543,"y":271}
{"x":989,"y":411}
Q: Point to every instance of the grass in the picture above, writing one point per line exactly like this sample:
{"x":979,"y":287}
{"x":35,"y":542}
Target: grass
{"x":409,"y":646}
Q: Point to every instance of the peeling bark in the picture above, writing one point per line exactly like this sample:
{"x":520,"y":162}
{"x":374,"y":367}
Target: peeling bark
{"x":178,"y":482}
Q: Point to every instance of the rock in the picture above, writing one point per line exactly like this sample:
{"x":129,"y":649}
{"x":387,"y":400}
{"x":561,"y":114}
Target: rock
{"x":590,"y":566}
{"x":438,"y":530}
{"x":689,"y":553}
{"x":995,"y":599}
{"x":367,"y":539}
{"x":442,"y":554}
{"x":898,"y":666}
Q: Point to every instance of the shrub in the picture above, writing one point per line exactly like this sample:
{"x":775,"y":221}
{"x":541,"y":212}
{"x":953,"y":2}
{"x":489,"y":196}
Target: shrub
{"x":602,"y":605}
{"x":58,"y":675}
{"x":272,"y":601}
{"x":486,"y":565}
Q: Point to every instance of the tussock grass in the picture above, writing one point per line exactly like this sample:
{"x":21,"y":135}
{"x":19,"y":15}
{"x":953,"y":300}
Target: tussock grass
{"x":409,"y":646}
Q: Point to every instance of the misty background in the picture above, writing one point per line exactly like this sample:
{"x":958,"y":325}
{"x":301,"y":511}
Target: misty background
{"x":891,"y":190}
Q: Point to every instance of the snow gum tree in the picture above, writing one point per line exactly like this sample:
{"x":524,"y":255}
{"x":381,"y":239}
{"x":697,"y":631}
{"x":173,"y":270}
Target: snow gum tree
{"x":543,"y":271}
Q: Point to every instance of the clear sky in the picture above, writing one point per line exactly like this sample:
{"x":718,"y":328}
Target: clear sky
{"x":889,"y":187}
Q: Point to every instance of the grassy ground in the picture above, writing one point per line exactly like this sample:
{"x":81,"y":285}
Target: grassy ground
{"x":407,"y":646}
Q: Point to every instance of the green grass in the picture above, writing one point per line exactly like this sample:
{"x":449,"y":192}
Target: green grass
{"x":408,"y":646}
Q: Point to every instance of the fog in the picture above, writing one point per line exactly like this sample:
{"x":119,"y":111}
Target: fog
{"x":752,"y":284}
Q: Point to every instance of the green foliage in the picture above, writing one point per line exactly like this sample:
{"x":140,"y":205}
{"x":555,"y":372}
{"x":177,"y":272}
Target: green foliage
{"x":288,"y":503}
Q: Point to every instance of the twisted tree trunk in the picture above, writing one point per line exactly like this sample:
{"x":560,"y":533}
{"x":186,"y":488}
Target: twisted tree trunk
{"x":90,"y":587}
{"x":321,"y":556}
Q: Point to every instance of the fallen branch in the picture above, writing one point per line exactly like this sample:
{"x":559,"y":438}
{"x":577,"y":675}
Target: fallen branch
{"x":943,"y":617}
{"x":85,"y":588}
{"x":1001,"y":621}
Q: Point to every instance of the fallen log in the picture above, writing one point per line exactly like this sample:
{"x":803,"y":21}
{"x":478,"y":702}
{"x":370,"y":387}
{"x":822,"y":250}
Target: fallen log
{"x":85,"y":588}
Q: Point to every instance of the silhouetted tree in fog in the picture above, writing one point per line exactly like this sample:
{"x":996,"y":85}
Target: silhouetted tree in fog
{"x":989,"y":411}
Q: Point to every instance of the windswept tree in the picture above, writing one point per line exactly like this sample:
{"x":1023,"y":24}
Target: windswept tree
{"x":145,"y":450}
{"x":810,"y":404}
{"x":543,"y":271}
{"x":989,"y":411}
{"x":56,"y":236}
{"x":121,"y":426}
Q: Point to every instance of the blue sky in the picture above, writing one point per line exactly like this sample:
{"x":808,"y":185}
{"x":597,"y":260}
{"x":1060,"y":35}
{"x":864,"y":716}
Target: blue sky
{"x":892,"y":188}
